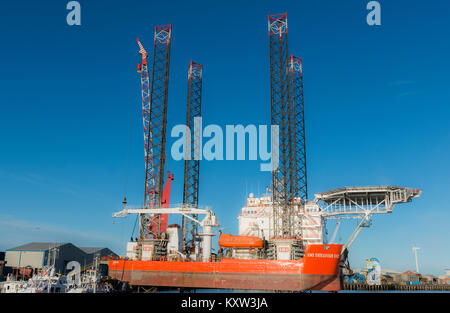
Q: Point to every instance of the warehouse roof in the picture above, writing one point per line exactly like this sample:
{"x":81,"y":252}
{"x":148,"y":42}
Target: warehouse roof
{"x":44,"y":246}
{"x":38,"y":246}
{"x":101,"y":251}
{"x":89,"y":250}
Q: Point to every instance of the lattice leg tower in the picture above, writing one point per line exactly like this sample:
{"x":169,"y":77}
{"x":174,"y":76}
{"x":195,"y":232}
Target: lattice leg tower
{"x":300,"y":187}
{"x":192,"y":163}
{"x":155,"y":119}
{"x":280,"y":115}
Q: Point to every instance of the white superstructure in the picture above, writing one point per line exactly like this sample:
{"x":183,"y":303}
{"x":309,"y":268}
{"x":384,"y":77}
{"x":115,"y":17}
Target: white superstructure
{"x":155,"y":248}
{"x":256,"y":219}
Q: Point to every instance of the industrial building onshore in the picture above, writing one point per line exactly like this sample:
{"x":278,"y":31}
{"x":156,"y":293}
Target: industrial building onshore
{"x":30,"y":258}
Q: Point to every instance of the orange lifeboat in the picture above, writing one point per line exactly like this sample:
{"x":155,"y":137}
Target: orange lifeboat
{"x":230,"y":241}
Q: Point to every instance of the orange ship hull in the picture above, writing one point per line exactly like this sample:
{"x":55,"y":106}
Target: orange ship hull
{"x":317,"y":270}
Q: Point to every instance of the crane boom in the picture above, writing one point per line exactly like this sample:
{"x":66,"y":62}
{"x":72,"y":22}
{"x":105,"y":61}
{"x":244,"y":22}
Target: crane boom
{"x":146,"y":106}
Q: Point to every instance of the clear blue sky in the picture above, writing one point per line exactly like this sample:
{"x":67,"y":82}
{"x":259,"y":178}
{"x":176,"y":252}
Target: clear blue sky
{"x":377,"y":106}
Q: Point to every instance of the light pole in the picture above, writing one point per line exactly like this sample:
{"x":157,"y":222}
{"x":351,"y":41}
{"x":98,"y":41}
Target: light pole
{"x":415,"y":254}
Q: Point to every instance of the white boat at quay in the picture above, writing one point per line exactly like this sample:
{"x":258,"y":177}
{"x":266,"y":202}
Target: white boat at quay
{"x":48,"y":281}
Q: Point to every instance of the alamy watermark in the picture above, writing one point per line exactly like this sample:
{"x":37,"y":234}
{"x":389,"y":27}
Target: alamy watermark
{"x":374,"y":16}
{"x":75,"y":268}
{"x":74,"y":16}
{"x":213,"y":148}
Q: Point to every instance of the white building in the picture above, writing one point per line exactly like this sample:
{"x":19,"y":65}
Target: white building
{"x":256,"y":219}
